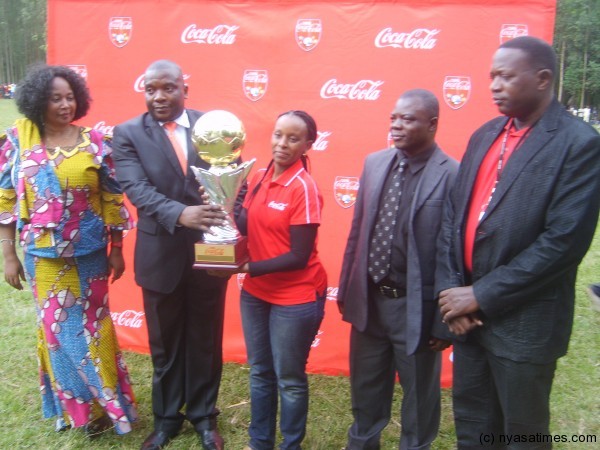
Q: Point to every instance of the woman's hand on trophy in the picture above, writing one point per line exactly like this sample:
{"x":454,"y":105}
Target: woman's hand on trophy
{"x":202,"y":217}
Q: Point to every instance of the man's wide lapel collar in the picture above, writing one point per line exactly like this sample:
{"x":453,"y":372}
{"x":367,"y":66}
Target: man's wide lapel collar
{"x":162,"y":143}
{"x":537,"y":139}
{"x":432,"y":175}
{"x":382,"y":163}
{"x":472,"y":167}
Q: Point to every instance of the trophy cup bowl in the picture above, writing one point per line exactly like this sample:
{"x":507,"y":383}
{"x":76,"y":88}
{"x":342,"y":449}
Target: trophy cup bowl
{"x":219,"y":137}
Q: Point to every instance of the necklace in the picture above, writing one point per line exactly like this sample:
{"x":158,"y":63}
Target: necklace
{"x":500,"y":166}
{"x":65,"y":142}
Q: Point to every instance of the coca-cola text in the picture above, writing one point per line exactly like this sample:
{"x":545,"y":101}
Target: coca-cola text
{"x":361,"y":90}
{"x":128,"y":318}
{"x":219,"y":35}
{"x":421,"y":39}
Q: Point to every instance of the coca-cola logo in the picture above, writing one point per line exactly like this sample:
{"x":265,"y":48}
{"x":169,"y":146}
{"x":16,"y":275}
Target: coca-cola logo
{"x":332,"y":293}
{"x":345,"y":190}
{"x":255,"y":84}
{"x":418,"y":39}
{"x":308,"y":33}
{"x":103,"y":128}
{"x":139,"y":85}
{"x":317,"y":340}
{"x":361,"y":90}
{"x":120,"y":30}
{"x":457,"y":90}
{"x":80,"y":69}
{"x":321,"y":143}
{"x":219,"y":35}
{"x":240,"y":280}
{"x":510,"y":31}
{"x":128,"y":318}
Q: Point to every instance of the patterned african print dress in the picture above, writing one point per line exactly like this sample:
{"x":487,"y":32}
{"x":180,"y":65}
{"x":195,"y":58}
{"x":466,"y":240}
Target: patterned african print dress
{"x":64,"y":204}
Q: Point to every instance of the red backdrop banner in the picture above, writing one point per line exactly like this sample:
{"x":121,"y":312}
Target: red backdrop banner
{"x":345,"y":62}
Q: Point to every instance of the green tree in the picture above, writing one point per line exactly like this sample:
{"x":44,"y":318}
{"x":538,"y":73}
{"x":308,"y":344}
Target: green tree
{"x":577,"y":42}
{"x":22,"y":37}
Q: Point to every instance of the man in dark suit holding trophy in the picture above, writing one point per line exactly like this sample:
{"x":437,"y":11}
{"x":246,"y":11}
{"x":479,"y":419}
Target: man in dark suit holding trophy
{"x":184,"y":307}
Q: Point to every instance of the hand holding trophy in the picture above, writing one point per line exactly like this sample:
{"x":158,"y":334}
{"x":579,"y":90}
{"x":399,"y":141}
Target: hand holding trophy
{"x":219,"y":137}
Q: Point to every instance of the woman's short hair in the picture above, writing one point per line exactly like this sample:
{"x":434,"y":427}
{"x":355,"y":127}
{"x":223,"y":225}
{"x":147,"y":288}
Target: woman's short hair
{"x":33,"y":92}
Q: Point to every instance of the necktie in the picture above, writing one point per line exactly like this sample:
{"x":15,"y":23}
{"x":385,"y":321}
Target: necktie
{"x":170,"y":127}
{"x":380,"y":251}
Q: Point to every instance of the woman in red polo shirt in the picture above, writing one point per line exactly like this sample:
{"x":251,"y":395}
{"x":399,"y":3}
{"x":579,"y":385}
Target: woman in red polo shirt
{"x":283,"y":297}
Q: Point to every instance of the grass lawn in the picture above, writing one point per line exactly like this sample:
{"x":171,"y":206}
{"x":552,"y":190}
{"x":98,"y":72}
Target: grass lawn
{"x":575,"y":397}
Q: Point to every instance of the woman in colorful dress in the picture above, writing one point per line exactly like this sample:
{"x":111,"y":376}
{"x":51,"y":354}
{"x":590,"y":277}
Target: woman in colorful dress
{"x":58,"y":191}
{"x":283,"y":296}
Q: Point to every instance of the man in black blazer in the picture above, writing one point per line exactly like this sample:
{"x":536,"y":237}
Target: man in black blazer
{"x":184,"y":307}
{"x":518,"y":222}
{"x":391,"y":304}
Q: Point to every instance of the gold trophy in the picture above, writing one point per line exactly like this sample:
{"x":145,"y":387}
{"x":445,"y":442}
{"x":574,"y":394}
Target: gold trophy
{"x":219,"y":138}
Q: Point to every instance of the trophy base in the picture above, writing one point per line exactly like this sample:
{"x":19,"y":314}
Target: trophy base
{"x":221,"y":256}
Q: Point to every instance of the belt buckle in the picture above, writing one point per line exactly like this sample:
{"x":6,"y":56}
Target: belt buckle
{"x":389,"y":291}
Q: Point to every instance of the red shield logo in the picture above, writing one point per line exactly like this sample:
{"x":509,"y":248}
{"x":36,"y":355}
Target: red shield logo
{"x":255,"y":84}
{"x":308,"y":33}
{"x":512,"y":30}
{"x":345,"y":190}
{"x":119,"y":30}
{"x":457,"y":91}
{"x":80,"y":69}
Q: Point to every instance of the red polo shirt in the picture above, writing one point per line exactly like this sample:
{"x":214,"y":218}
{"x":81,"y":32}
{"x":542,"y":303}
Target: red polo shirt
{"x":485,"y":183}
{"x":293,"y":199}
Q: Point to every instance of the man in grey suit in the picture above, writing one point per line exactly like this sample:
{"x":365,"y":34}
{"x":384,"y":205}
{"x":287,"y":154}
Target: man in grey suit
{"x":519,"y":220}
{"x":386,"y":285}
{"x":184,"y":307}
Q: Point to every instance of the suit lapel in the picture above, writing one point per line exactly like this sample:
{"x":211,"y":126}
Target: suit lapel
{"x":531,"y":146}
{"x":432,"y":174}
{"x":377,"y":177}
{"x":162,"y":143}
{"x":477,"y":157}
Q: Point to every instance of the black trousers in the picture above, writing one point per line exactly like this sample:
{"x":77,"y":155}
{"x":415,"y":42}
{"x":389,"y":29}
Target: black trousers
{"x":496,"y":399}
{"x":377,"y":355}
{"x":185,"y":330}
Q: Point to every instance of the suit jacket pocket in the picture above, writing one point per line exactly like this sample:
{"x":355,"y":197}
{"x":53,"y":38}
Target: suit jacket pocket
{"x":147,"y":226}
{"x":530,"y":324}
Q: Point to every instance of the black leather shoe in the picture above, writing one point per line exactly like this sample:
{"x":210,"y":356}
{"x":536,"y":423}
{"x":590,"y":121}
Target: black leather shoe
{"x":157,"y":440}
{"x":211,"y":440}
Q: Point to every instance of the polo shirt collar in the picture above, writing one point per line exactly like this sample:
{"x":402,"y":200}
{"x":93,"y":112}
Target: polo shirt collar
{"x":288,"y":175}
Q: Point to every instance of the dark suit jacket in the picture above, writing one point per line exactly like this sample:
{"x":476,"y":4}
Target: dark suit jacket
{"x":532,"y":237}
{"x":424,"y":225}
{"x":149,"y":171}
